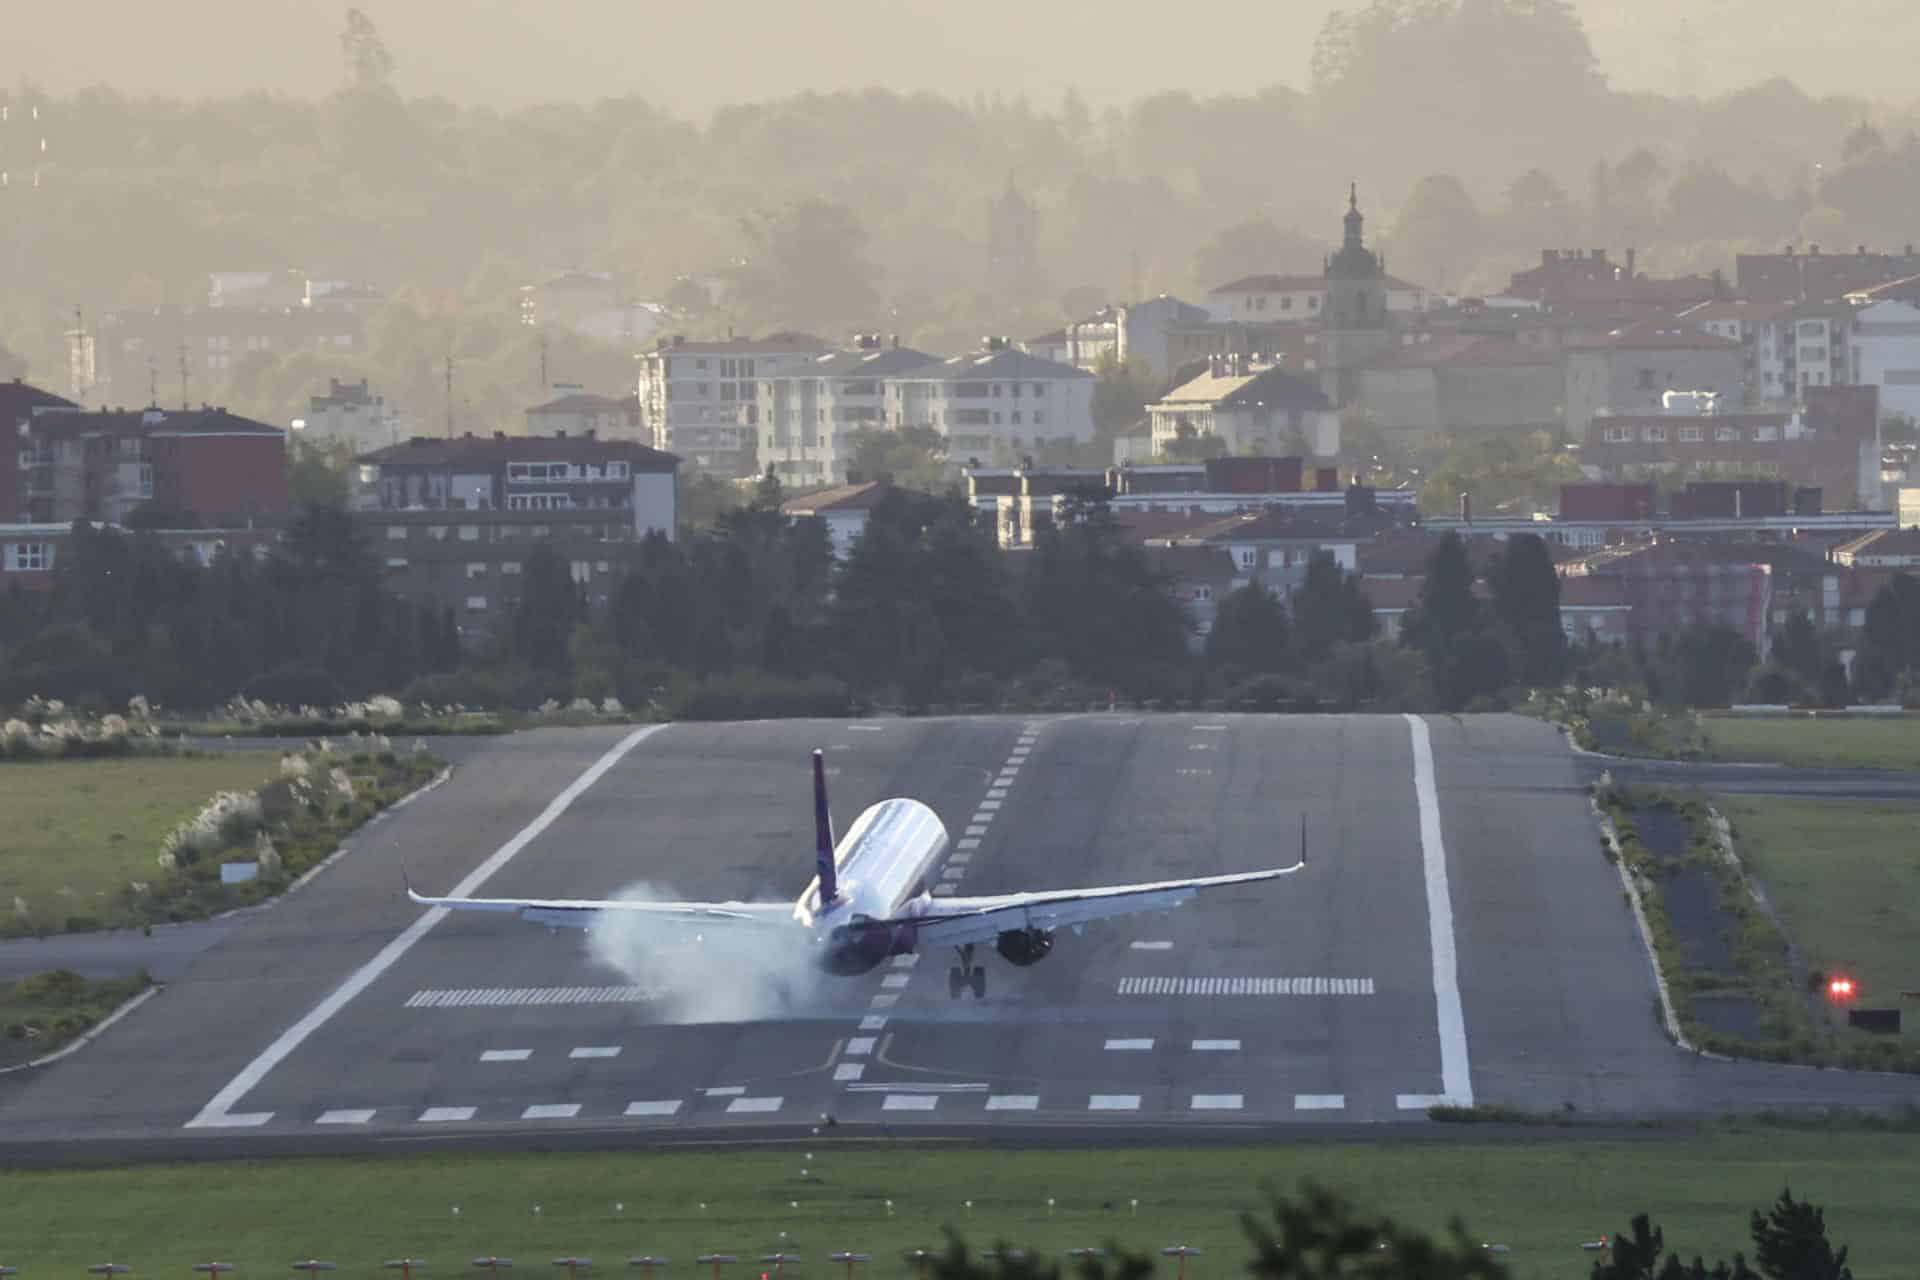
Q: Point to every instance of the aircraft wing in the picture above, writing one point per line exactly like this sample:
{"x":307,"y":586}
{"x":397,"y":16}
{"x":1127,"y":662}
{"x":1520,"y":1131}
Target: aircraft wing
{"x":956,"y":921}
{"x":582,"y":913}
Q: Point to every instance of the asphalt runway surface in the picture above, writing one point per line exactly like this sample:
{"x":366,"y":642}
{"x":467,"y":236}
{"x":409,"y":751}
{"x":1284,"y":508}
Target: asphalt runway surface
{"x":1456,"y":936}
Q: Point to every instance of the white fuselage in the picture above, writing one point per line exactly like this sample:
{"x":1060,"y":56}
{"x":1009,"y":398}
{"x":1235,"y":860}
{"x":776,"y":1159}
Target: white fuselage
{"x":882,"y":864}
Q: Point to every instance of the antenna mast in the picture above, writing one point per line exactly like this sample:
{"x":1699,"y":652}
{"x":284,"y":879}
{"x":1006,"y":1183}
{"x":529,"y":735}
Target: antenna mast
{"x":449,"y":393}
{"x":186,"y":380}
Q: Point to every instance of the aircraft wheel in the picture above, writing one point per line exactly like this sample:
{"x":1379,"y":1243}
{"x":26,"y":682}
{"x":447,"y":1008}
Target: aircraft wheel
{"x":956,"y":980}
{"x":978,"y":981}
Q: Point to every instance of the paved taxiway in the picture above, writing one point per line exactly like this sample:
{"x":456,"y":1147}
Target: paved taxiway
{"x":1479,"y":948}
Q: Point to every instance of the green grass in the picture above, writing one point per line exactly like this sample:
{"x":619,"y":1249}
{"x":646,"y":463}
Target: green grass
{"x":76,"y":831}
{"x":1845,"y":878}
{"x":1862,"y":742}
{"x":1539,"y":1197}
{"x":41,"y":1013}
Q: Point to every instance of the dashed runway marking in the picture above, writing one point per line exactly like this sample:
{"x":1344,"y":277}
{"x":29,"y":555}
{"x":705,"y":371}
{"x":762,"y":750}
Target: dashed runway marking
{"x":663,"y":1107}
{"x":551,"y":1111}
{"x":906,"y":961}
{"x":872,"y":1022}
{"x":1114,"y":1102}
{"x":1216,"y":1046}
{"x":885,"y":1001}
{"x":988,"y":806}
{"x":725,"y":1091}
{"x":509,"y":997}
{"x":1129,"y":1046}
{"x":895,"y":981}
{"x":1246,"y":987}
{"x":1419,"y":1101}
{"x":1013,"y":1102}
{"x":355,"y":1116}
{"x":849,"y":1071}
{"x":1218,"y":1101}
{"x":596,"y":1051}
{"x":859,"y":1046}
{"x":1319,"y":1101}
{"x":978,"y":829}
{"x":747,"y":1106}
{"x":952,"y":873}
{"x":1152,"y":946}
{"x":444,"y":1115}
{"x":232,"y":1120}
{"x":996,"y":793}
{"x":506,"y":1055}
{"x":910,"y":1102}
{"x":864,"y":728}
{"x":969,"y":842}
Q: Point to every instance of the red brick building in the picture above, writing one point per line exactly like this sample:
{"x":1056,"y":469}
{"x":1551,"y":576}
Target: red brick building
{"x":203,"y":467}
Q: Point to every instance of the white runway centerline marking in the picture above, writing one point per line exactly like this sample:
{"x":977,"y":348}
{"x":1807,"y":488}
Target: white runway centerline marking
{"x":1246,"y":987}
{"x":873,"y":1022}
{"x":596,"y":1051}
{"x":551,"y":1111}
{"x":444,"y":1115}
{"x":1013,"y":1102}
{"x":1216,"y":1046}
{"x":741,"y":1106}
{"x":849,"y":1071}
{"x":1152,"y":946}
{"x":237,"y":1088}
{"x":906,"y":961}
{"x":1218,"y":1101}
{"x":977,"y":829}
{"x":885,"y":1001}
{"x":969,"y":842}
{"x":506,"y":1055}
{"x":664,"y":1107}
{"x":859,"y":1046}
{"x":865,"y":728}
{"x":895,"y":981}
{"x":725,"y":1091}
{"x":1114,"y":1102}
{"x":355,"y":1116}
{"x":910,"y":1102}
{"x":1130,"y":1046}
{"x":1319,"y":1101}
{"x":1456,"y":1077}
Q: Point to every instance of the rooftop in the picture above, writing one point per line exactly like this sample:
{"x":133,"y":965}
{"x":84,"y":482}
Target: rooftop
{"x":429,"y":451}
{"x":19,"y":399}
{"x":1273,"y":386}
{"x":587,"y":402}
{"x":847,"y":497}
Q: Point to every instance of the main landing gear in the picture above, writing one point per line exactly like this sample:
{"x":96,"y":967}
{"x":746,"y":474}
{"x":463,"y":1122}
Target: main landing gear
{"x":966,"y":975}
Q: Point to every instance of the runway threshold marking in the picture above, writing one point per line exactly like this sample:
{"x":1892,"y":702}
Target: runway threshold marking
{"x":1013,"y":1102}
{"x":218,"y":1108}
{"x":1130,"y":1046}
{"x":910,"y":1102}
{"x":756,"y":1106}
{"x":506,"y":1055}
{"x":596,"y":1051}
{"x":1319,"y":1101}
{"x":357,"y":1115}
{"x":1218,"y":1101}
{"x":1114,"y":1102}
{"x":551,"y":1111}
{"x":1152,"y":946}
{"x":664,"y":1107}
{"x":1216,"y":1046}
{"x":446,"y":1115}
{"x":1456,"y":1077}
{"x":1228,"y":986}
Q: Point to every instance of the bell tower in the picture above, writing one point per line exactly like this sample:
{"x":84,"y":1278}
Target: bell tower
{"x":1354,"y":318}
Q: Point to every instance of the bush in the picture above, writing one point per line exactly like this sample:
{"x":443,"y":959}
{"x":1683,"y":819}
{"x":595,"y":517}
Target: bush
{"x":1263,"y":693}
{"x":755,"y":695}
{"x":1775,"y":685}
{"x":294,"y":686}
{"x":488,"y":689}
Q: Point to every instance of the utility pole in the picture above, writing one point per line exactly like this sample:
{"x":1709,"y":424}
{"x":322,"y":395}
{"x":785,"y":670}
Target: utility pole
{"x":186,"y":379}
{"x":153,"y":383}
{"x":544,"y":384}
{"x":449,"y":393}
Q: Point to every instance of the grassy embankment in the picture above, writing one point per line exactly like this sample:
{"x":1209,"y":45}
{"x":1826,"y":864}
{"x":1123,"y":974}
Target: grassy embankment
{"x":1541,"y":1198}
{"x":41,"y":1013}
{"x":1852,"y":742}
{"x":1844,"y":876}
{"x":77,"y":831}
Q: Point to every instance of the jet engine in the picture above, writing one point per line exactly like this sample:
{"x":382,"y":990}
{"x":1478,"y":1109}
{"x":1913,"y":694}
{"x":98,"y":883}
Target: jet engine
{"x":1022,"y":947}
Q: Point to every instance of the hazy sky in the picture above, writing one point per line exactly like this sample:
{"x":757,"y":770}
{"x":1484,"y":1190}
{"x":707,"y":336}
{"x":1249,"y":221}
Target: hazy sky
{"x":691,"y":57}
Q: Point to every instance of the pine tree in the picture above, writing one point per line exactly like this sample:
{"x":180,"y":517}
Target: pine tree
{"x":1329,"y":609}
{"x":1526,"y":602}
{"x":1790,"y":1243}
{"x":1250,"y":632}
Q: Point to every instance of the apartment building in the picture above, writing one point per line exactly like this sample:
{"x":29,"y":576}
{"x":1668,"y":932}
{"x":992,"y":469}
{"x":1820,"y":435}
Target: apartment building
{"x":144,"y":354}
{"x":701,"y":400}
{"x":994,"y":405}
{"x":809,"y":412}
{"x":1632,"y":368}
{"x":349,"y":413}
{"x":1249,"y":407}
{"x":577,"y":412}
{"x":1808,"y":344}
{"x":202,"y":467}
{"x":453,"y":520}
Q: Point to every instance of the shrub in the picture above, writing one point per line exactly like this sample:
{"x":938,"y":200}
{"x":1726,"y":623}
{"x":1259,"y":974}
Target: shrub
{"x":294,"y":686}
{"x":755,"y":695}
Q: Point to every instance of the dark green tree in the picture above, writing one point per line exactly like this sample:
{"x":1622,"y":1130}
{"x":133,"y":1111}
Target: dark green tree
{"x":1526,"y":603}
{"x":1890,"y":640}
{"x":1330,"y":609}
{"x":1250,"y":632}
{"x":1451,"y":626}
{"x":1797,"y":647}
{"x":544,"y":615}
{"x":1320,"y":1236}
{"x":1120,"y":394}
{"x":1790,"y":1242}
{"x":1710,"y":663}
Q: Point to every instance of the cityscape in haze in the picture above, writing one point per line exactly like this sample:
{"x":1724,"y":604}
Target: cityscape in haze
{"x":1098,"y":641}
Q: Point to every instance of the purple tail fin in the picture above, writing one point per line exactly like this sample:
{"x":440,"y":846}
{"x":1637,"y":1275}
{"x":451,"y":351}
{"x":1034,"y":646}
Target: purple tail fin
{"x":823,"y":832}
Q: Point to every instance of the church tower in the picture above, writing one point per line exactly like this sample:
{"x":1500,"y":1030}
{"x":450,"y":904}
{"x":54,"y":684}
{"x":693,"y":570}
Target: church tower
{"x":1354,"y":318}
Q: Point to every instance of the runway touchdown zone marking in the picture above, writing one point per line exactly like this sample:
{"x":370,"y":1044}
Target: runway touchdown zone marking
{"x":1245,"y":987}
{"x":219,"y":1109}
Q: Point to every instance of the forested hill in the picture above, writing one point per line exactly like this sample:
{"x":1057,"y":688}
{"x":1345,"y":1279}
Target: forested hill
{"x":1479,"y":131}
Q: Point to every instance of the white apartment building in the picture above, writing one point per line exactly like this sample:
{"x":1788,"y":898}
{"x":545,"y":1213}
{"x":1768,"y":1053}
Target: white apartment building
{"x":809,"y":412}
{"x":701,"y":400}
{"x":994,"y":405}
{"x":1805,"y":345}
{"x":1252,"y":408}
{"x":1886,"y":354}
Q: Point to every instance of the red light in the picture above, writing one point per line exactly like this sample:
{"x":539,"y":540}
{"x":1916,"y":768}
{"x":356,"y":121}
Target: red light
{"x":1840,"y":988}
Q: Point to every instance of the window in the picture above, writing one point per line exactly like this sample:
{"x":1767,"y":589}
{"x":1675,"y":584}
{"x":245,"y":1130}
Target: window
{"x":476,"y":569}
{"x":396,"y":533}
{"x":469,"y":533}
{"x":1656,"y":435}
{"x":1766,"y":433}
{"x":1618,"y":435}
{"x":582,"y":572}
{"x":1248,"y":557}
{"x":602,"y":566}
{"x":437,"y":533}
{"x":29,"y":557}
{"x":616,"y":471}
{"x":509,"y":567}
{"x":1203,"y":593}
{"x":1724,"y":434}
{"x":396,"y":563}
{"x":1286,"y":302}
{"x":1690,"y":435}
{"x":1039,"y":417}
{"x":476,"y":602}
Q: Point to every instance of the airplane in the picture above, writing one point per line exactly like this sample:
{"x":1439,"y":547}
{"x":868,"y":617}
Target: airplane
{"x":868,"y":899}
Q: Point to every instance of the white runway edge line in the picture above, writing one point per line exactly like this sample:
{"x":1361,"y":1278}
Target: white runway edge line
{"x":216,"y":1113}
{"x":1456,"y":1080}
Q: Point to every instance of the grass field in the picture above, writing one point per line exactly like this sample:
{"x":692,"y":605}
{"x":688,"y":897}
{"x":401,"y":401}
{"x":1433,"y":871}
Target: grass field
{"x":40,"y":1014}
{"x":1862,"y":742}
{"x":1845,"y":877}
{"x":77,"y":830}
{"x":1540,"y":1197}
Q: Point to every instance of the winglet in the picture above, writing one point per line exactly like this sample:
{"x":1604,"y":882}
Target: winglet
{"x":1303,"y":839}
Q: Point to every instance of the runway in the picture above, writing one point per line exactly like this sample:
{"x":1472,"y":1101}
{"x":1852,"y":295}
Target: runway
{"x":1456,"y":936}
